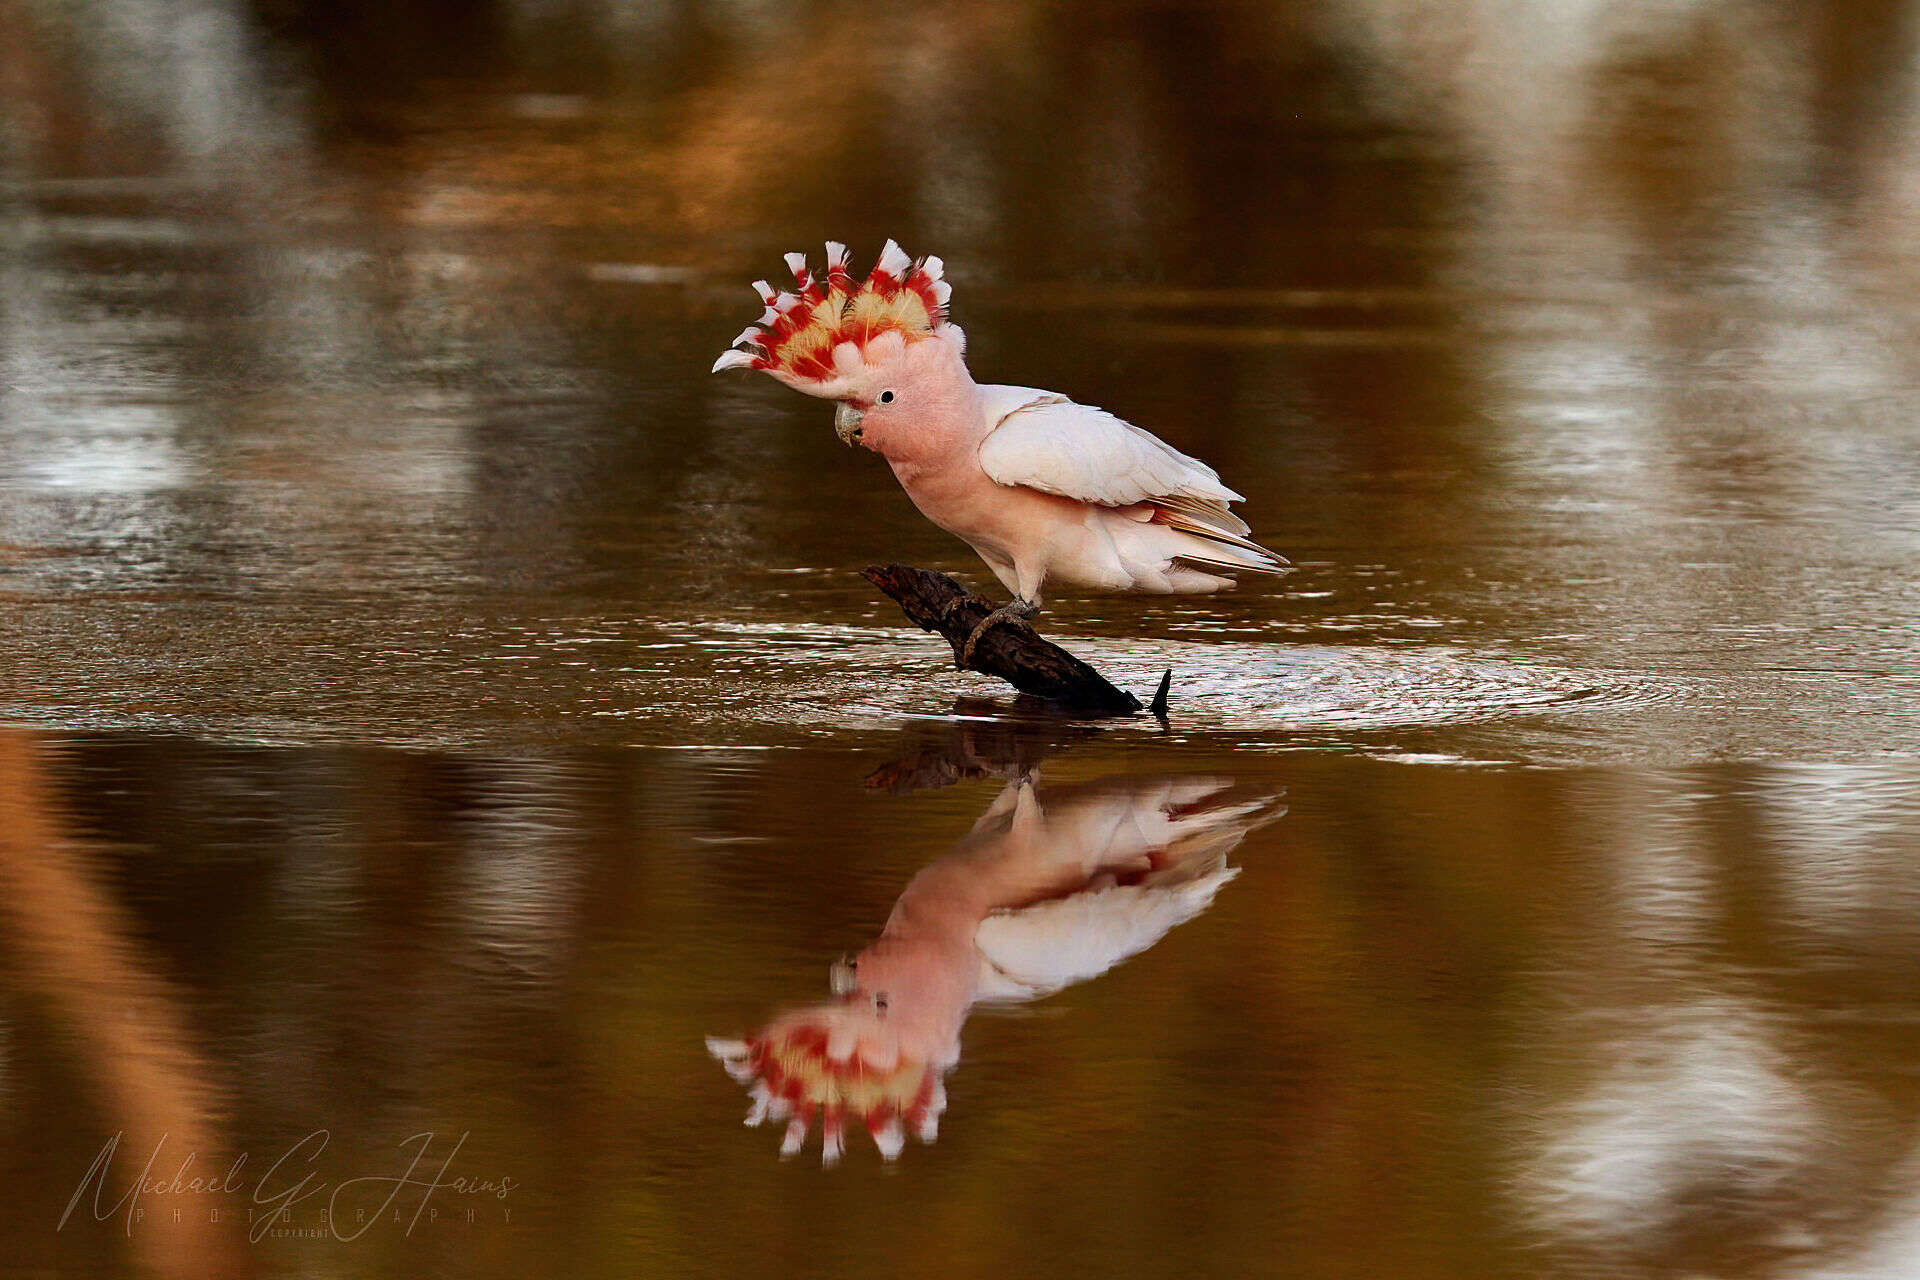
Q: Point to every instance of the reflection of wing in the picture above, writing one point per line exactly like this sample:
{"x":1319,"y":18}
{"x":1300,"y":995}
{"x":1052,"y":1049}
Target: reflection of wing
{"x":1040,"y":949}
{"x":1166,"y":828}
{"x":1112,"y":823}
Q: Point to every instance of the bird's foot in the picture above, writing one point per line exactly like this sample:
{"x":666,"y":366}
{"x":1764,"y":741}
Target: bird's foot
{"x":1015,"y":610}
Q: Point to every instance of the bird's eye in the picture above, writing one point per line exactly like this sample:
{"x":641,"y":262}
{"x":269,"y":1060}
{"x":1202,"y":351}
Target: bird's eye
{"x":886,"y":397}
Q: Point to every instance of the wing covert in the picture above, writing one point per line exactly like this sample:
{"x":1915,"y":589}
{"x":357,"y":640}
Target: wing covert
{"x":1077,"y":451}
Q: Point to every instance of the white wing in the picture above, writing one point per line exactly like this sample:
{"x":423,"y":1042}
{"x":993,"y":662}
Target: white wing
{"x":1035,"y":950}
{"x":1051,"y":444}
{"x":1040,"y":949}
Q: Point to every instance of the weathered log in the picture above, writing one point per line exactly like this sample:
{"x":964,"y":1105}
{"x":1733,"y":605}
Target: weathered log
{"x":1013,"y":650}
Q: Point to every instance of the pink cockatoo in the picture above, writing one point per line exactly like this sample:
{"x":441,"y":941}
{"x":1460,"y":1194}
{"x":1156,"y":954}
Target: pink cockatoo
{"x":1045,"y":490}
{"x":1052,"y":887}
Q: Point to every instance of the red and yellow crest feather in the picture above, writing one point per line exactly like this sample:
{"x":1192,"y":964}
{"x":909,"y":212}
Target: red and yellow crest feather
{"x":792,"y":1076}
{"x":815,"y":339}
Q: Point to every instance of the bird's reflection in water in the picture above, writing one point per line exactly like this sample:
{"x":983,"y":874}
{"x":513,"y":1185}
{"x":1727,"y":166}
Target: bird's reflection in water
{"x":1055,"y":884}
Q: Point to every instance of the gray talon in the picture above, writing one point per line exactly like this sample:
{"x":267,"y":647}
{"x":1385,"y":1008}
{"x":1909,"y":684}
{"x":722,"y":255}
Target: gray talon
{"x":1015,"y":610}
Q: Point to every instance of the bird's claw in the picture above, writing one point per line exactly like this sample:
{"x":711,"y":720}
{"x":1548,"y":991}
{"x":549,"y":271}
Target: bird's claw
{"x":1015,"y":610}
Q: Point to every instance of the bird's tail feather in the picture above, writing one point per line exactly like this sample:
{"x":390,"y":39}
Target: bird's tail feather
{"x":1211,"y":512}
{"x":1218,"y":548}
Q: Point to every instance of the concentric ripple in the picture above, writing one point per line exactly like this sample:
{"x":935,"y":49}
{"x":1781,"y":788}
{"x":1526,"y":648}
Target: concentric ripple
{"x":818,"y":676}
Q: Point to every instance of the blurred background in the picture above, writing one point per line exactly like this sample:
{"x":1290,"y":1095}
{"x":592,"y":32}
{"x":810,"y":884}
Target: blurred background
{"x":434,"y":701}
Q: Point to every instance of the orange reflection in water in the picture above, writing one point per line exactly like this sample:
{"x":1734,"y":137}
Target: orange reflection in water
{"x":72,"y":947}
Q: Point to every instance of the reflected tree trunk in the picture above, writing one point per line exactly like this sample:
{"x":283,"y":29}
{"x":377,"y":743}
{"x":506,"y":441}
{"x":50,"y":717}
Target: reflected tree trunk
{"x":72,"y":947}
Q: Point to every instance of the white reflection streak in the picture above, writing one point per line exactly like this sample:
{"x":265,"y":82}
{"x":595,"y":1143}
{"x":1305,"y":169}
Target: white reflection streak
{"x":191,"y":72}
{"x":1667,"y":270}
{"x":1703,"y":1100}
{"x":124,"y":449}
{"x":65,"y":398}
{"x":1842,"y":841}
{"x":1663,"y":896}
{"x":192,"y":67}
{"x":1891,"y":1254}
{"x":520,"y":878}
{"x":1679,"y":1109}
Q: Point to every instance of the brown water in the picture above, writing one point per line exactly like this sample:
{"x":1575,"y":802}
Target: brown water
{"x":436,"y":704}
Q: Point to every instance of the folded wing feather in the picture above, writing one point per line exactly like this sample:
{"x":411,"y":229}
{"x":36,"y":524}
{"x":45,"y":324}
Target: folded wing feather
{"x":1077,"y":451}
{"x":1047,"y":442}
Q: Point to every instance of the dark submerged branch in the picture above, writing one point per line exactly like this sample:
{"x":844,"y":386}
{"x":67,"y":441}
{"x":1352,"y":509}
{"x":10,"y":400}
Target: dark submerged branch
{"x":1015,"y":652}
{"x":983,"y":740}
{"x":1158,"y":706}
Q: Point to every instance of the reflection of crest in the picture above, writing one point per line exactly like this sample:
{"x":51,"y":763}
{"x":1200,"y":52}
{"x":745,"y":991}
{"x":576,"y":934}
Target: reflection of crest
{"x":792,"y":1073}
{"x":1054,"y":885}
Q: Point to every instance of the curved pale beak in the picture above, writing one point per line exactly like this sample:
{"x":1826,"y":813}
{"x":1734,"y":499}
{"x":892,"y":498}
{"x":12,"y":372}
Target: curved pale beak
{"x":842,"y":980}
{"x":846,"y":423}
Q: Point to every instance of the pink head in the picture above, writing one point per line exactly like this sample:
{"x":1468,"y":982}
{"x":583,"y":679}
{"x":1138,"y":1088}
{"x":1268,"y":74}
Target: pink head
{"x":883,"y":348}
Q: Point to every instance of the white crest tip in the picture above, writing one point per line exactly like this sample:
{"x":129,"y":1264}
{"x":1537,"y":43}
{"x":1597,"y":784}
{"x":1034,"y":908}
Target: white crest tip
{"x":732,"y":359}
{"x":894,"y":261}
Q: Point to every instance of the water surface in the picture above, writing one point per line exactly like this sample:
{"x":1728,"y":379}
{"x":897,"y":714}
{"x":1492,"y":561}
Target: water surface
{"x":435,"y":704}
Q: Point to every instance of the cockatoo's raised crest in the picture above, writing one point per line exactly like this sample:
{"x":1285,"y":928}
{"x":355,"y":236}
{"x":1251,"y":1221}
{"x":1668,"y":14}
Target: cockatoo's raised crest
{"x":813,"y":1063}
{"x":823,"y":336}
